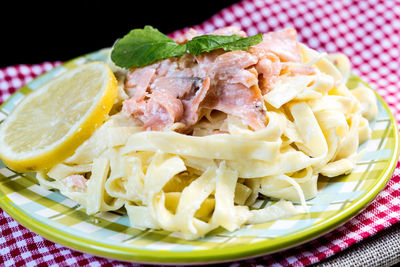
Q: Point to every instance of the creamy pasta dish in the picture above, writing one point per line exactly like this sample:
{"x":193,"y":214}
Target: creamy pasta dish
{"x":193,"y":142}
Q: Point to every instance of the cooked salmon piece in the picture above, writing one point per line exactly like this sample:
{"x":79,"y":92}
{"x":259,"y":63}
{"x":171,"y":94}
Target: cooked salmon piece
{"x":178,"y":89}
{"x":234,"y":88}
{"x":230,"y":30}
{"x":178,"y":86}
{"x":240,"y":101}
{"x":230,"y":65}
{"x":187,"y":36}
{"x":269,"y":67}
{"x":282,"y":43}
{"x":162,"y":109}
{"x":159,"y":111}
{"x":138,"y":80}
{"x":191,"y":101}
{"x":176,"y":81}
{"x":76,"y":182}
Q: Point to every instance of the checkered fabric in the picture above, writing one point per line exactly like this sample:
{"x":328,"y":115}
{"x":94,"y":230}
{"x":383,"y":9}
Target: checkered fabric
{"x":367,"y":31}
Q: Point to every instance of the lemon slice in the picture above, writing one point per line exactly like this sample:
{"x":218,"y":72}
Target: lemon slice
{"x":53,"y":120}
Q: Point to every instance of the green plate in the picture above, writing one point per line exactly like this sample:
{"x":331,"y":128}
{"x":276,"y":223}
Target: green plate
{"x":108,"y":234}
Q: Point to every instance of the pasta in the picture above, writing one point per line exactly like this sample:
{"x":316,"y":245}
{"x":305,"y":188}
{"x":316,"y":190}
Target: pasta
{"x":193,"y":182}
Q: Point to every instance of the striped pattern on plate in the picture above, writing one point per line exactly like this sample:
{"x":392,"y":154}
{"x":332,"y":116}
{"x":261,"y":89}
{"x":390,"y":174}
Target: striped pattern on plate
{"x":109,"y":233}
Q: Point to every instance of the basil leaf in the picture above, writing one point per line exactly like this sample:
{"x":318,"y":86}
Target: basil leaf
{"x":141,"y":47}
{"x":208,"y":42}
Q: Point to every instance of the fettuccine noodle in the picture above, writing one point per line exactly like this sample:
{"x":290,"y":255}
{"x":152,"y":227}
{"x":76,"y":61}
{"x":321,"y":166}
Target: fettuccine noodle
{"x":193,"y":183}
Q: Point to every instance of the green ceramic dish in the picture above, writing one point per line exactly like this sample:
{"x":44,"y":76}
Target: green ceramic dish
{"x":59,"y":219}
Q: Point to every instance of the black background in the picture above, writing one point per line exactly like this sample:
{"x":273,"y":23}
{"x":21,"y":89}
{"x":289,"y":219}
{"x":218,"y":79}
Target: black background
{"x":36,"y":32}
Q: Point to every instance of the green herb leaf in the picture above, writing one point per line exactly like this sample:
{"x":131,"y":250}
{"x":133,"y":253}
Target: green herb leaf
{"x":207,"y":43}
{"x":141,"y":47}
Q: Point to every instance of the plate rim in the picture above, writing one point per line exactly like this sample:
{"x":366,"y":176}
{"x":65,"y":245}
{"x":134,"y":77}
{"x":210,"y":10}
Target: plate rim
{"x":215,"y":255}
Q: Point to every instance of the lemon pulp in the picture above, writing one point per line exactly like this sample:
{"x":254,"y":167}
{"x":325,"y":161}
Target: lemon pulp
{"x":52,"y":121}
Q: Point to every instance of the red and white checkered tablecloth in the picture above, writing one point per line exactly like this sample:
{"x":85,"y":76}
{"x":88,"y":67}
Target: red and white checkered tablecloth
{"x":367,"y":31}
